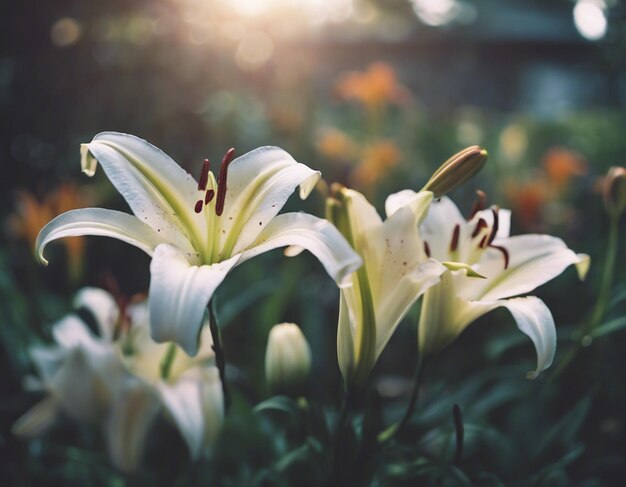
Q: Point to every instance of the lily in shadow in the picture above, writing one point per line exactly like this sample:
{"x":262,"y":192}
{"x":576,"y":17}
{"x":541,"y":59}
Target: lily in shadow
{"x":197,"y":231}
{"x":113,"y":377}
{"x":493,"y":268}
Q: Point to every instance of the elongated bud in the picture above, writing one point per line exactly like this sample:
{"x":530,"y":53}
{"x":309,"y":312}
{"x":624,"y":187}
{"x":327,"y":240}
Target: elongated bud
{"x":457,"y":170}
{"x":287,"y":360}
{"x":615,"y":191}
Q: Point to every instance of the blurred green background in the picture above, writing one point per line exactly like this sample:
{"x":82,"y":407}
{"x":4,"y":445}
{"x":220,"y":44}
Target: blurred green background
{"x":375,"y":94}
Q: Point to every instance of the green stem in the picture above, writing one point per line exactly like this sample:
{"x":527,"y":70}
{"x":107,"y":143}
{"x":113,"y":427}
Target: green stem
{"x":168,"y":360}
{"x":393,"y":430}
{"x":220,"y":360}
{"x":607,"y":278}
{"x":588,"y":327}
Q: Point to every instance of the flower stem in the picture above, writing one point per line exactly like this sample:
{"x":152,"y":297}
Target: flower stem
{"x":588,"y":327}
{"x":220,"y":361}
{"x":168,"y":360}
{"x":393,"y":430}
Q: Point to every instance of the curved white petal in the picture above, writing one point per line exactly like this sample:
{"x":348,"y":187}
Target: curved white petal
{"x":133,"y":411}
{"x":534,"y":319}
{"x":196,"y":405}
{"x":37,"y":419}
{"x":102,"y":306}
{"x":533,"y":261}
{"x":444,"y":315}
{"x":259,"y":184}
{"x":316,"y":235}
{"x":419,"y":201}
{"x":179,"y":294}
{"x":99,"y":222}
{"x":71,"y":331}
{"x":158,"y":191}
{"x":396,"y":304}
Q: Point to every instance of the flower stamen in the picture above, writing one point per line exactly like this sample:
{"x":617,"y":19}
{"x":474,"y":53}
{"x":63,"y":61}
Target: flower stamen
{"x":479,"y":203}
{"x":221,"y":182}
{"x":204,"y":175}
{"x":454,"y":243}
{"x":427,"y":249}
{"x":480,"y":225}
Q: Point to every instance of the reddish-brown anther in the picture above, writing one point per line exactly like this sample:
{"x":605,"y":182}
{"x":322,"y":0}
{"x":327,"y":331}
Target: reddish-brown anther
{"x":221,"y":182}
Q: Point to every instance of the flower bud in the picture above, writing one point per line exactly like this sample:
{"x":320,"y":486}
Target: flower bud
{"x":457,"y":170}
{"x":287,"y":359}
{"x":615,"y":191}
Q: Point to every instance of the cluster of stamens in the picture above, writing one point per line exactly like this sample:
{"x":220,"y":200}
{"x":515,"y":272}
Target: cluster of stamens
{"x":481,"y":224}
{"x":487,"y":240}
{"x":210,"y":194}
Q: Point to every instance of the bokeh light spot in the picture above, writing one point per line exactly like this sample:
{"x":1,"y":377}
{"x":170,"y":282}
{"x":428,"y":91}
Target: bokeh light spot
{"x":65,"y":32}
{"x":590,"y":19}
{"x":254,"y":50}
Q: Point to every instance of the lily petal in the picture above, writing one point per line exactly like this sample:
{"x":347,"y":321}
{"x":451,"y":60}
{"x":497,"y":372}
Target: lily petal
{"x":158,"y":191}
{"x":444,"y":315}
{"x":534,"y":319}
{"x":316,"y":235}
{"x":71,"y":331}
{"x":259,"y":184}
{"x":345,"y":335}
{"x":179,"y":294}
{"x":37,"y":419}
{"x":534,"y":260}
{"x":100,"y":222}
{"x":102,"y":306}
{"x":196,"y":405}
{"x":133,"y":411}
{"x":84,"y":383}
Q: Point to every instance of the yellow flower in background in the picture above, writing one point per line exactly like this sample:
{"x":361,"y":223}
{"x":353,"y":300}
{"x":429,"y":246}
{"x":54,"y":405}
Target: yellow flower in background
{"x":376,"y":160}
{"x":31,"y":214}
{"x":373,"y":88}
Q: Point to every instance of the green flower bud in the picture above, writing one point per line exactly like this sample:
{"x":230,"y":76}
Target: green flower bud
{"x":457,"y":170}
{"x":287,"y":360}
{"x":615,"y":191}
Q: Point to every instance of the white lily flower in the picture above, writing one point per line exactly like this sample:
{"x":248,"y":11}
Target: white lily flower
{"x":395,"y":273}
{"x":509,"y":266}
{"x":196,"y":232}
{"x":115,"y":379}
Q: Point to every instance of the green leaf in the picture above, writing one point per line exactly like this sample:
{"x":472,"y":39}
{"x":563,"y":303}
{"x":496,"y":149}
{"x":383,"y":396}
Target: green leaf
{"x":565,"y":431}
{"x":610,"y":327}
{"x":278,"y":403}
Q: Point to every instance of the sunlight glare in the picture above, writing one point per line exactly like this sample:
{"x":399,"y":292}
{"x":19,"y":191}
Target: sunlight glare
{"x":590,"y":19}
